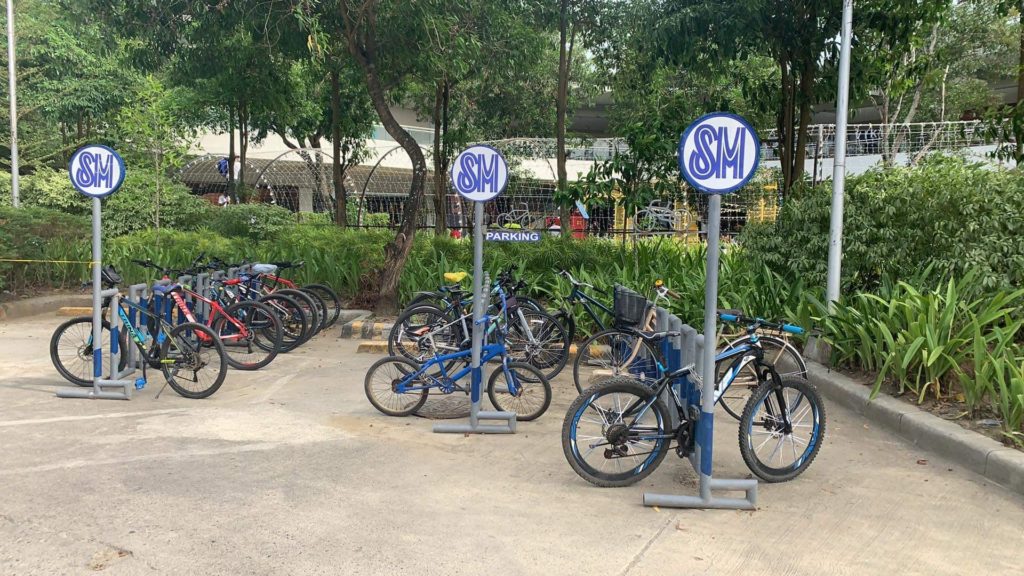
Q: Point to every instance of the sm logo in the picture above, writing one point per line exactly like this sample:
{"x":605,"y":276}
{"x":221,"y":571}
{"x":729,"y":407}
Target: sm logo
{"x":479,"y":173}
{"x":719,"y":153}
{"x":96,"y":171}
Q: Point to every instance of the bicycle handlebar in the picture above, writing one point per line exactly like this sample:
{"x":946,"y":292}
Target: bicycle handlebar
{"x":756,"y":322}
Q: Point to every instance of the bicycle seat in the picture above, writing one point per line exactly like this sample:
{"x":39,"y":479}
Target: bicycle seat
{"x":455,"y":277}
{"x":732,"y":311}
{"x":165,"y":289}
{"x":265,"y":268}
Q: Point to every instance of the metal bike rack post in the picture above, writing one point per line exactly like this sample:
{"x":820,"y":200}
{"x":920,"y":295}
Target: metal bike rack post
{"x":99,"y":383}
{"x":138,"y":294}
{"x":201,"y":285}
{"x":481,"y":281}
{"x":232,"y":273}
{"x":185,"y":280}
{"x":703,"y":171}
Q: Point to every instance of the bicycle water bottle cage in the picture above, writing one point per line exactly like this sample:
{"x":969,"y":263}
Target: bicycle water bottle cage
{"x":264,"y":268}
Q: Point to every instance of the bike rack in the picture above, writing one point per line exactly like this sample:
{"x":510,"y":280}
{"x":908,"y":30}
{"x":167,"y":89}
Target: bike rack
{"x":475,"y":414}
{"x":99,"y":383}
{"x":692,"y":348}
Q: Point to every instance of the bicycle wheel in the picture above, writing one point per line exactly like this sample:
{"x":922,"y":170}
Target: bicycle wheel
{"x":321,"y":309}
{"x":381,"y":386}
{"x":528,"y":303}
{"x":423,"y":332}
{"x":331,"y":301}
{"x":532,"y":396}
{"x":193,"y":361}
{"x":309,"y":307}
{"x":614,"y":353}
{"x":539,"y":340}
{"x":251,"y":334}
{"x":644,"y":221}
{"x":773,"y":449}
{"x":777,"y":352}
{"x":71,"y":350}
{"x":604,"y":439}
{"x":293,"y":319}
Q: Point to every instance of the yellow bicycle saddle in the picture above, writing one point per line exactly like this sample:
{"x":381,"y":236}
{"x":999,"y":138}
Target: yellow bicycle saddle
{"x":455,"y":277}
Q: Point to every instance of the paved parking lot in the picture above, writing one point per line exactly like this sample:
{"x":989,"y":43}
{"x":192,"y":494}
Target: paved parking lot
{"x":291,"y":471}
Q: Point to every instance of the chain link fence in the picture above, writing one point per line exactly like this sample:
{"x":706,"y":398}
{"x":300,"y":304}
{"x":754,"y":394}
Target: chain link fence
{"x":377,"y":189}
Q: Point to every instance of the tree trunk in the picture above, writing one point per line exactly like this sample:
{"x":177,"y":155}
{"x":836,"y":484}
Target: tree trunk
{"x":786,"y":127}
{"x":445,"y":147}
{"x":439,"y":211}
{"x":156,"y":202}
{"x":231,"y":155}
{"x":243,"y":148}
{"x":806,"y":96}
{"x":340,"y":197}
{"x":397,"y":251}
{"x":561,"y":105}
{"x":1019,"y":122}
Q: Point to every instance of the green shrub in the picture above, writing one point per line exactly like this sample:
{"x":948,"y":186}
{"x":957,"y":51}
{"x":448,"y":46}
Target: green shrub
{"x":254,"y":221}
{"x":948,"y":213}
{"x":131,"y":208}
{"x":31,"y":233}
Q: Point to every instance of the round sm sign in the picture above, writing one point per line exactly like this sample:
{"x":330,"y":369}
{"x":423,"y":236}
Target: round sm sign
{"x":96,"y":171}
{"x":479,"y":173}
{"x":719,"y":153}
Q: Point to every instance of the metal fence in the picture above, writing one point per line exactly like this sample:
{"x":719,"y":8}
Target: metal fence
{"x":378,"y":188}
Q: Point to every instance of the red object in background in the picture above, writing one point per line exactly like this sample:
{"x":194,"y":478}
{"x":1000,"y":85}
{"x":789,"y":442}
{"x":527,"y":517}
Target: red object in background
{"x":578,"y":225}
{"x":456,"y":234}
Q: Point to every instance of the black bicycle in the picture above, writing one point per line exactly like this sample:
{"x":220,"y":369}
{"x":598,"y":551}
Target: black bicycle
{"x":617,"y":432}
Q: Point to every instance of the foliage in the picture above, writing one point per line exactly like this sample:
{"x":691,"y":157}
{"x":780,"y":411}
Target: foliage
{"x":947,"y":213}
{"x":253,"y":221}
{"x":935,"y":340}
{"x":31,"y":233}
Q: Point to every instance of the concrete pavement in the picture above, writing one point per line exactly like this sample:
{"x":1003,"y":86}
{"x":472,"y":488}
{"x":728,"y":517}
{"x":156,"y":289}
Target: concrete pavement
{"x":291,"y":471}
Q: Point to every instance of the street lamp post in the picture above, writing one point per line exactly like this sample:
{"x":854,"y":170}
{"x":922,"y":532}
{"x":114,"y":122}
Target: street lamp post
{"x":835,"y":244}
{"x":12,"y":83}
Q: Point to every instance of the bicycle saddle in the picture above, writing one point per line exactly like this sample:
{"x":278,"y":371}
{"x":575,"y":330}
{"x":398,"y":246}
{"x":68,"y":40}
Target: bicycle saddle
{"x":265,"y":268}
{"x":165,"y":289}
{"x":732,"y":311}
{"x":286,"y":265}
{"x":455,"y":277}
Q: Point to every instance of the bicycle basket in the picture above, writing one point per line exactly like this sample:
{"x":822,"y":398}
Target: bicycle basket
{"x":628,"y":307}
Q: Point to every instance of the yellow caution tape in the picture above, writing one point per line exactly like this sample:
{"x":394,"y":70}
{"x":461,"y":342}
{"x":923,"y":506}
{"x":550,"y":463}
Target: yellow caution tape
{"x":21,"y":261}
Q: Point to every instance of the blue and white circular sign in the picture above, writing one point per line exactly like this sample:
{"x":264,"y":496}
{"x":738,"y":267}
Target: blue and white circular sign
{"x":479,"y":173}
{"x":719,"y":153}
{"x":96,"y":171}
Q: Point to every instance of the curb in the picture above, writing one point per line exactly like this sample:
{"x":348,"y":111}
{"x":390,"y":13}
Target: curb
{"x":43,"y":305}
{"x":977,"y":453}
{"x":74,"y":311}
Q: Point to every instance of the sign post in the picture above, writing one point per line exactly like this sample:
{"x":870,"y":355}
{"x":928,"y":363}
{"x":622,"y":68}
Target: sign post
{"x":718,"y":154}
{"x":480,"y":174}
{"x":97,"y":171}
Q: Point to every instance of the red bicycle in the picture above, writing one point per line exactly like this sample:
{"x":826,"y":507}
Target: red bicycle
{"x":251,"y":331}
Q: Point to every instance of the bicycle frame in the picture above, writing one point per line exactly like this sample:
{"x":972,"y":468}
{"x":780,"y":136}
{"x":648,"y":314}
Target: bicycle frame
{"x":487,"y":353}
{"x":587,"y":301}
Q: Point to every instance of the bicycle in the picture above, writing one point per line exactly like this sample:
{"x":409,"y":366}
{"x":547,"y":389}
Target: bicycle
{"x":332,"y":303}
{"x":577,"y":297}
{"x":398,"y":386}
{"x":251,"y":331}
{"x":661,"y":216}
{"x":621,"y":349}
{"x":624,"y":420}
{"x":176,"y":350}
{"x":520,"y":218}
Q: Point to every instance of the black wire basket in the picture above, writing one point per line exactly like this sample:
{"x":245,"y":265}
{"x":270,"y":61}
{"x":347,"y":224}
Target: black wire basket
{"x":628,"y":307}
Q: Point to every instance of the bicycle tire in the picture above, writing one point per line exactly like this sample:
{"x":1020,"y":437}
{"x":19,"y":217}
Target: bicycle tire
{"x":293,"y":319}
{"x":607,"y":350}
{"x":549,"y":350}
{"x":765,"y":395}
{"x":81,"y":374}
{"x":503,"y":401}
{"x":443,"y":337}
{"x":264,"y":332}
{"x":403,"y":367}
{"x":787,"y":362}
{"x":184,"y":352}
{"x":572,"y":439}
{"x":309,"y":307}
{"x":321,"y":307}
{"x":330,"y":298}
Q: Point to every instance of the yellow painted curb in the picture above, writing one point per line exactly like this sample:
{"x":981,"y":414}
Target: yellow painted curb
{"x":372,"y":347}
{"x":357,"y":326}
{"x":74,"y":311}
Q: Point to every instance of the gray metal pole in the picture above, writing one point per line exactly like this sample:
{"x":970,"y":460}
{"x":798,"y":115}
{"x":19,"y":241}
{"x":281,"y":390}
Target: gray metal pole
{"x":97,"y":320}
{"x":479,"y":307}
{"x":835,"y":243}
{"x":707,"y":402}
{"x":12,"y":76}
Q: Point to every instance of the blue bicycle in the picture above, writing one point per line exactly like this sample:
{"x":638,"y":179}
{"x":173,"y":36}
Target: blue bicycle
{"x":399,"y":386}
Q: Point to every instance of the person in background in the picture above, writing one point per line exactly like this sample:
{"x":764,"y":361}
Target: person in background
{"x":223,"y":200}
